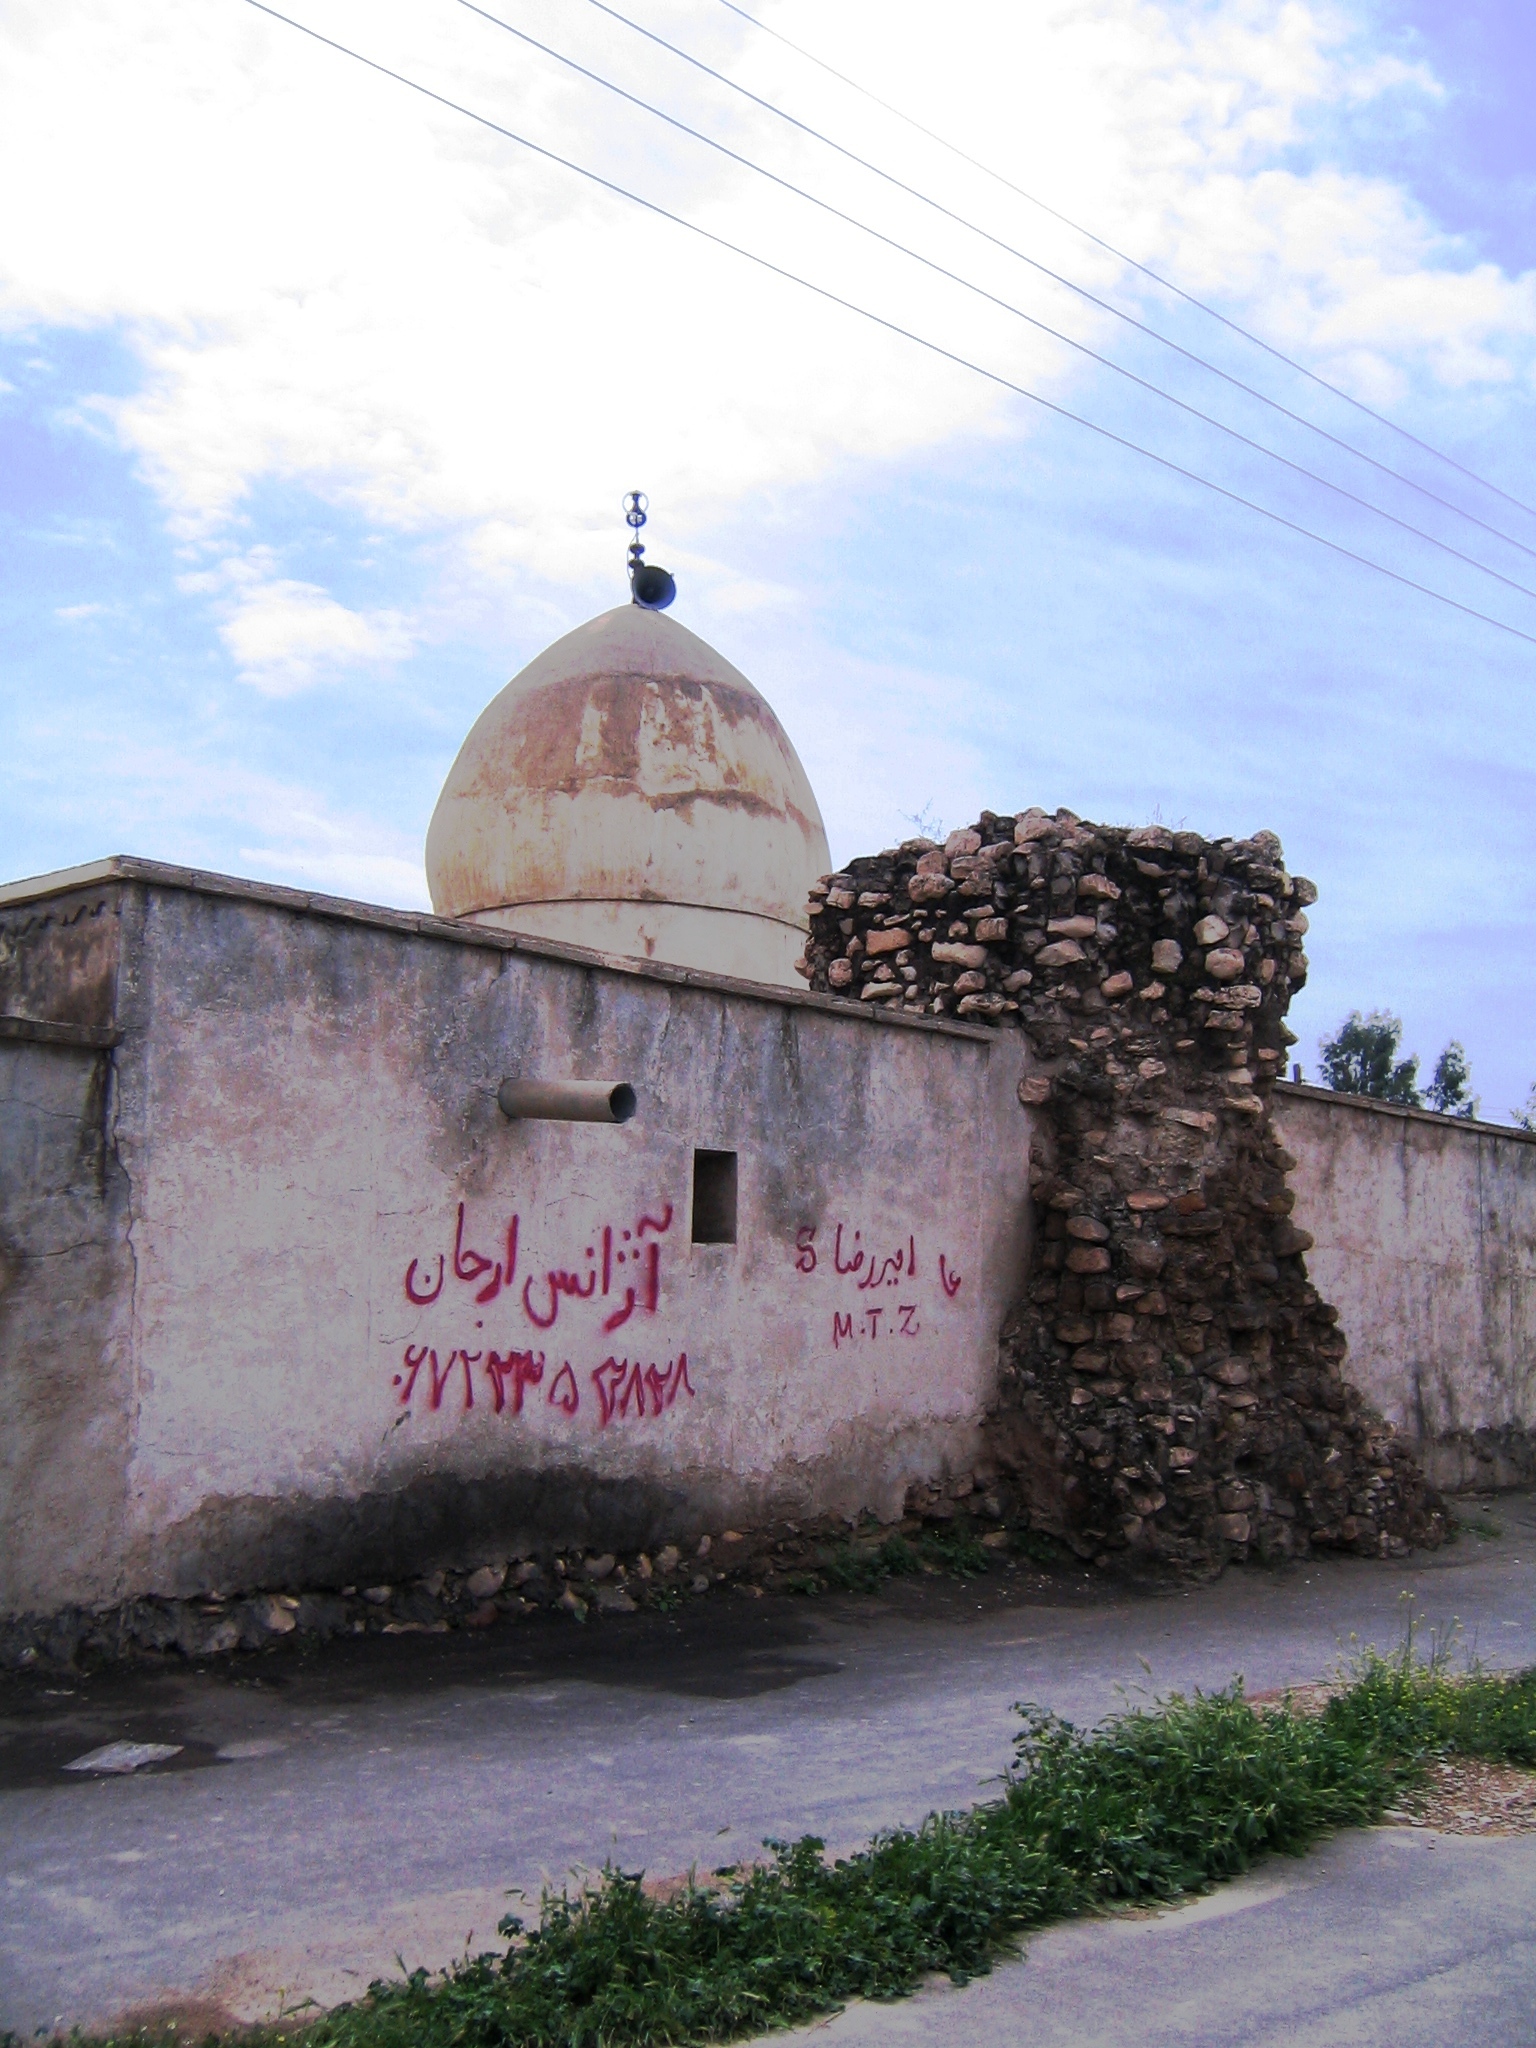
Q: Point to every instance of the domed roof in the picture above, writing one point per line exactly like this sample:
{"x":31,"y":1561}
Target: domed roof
{"x":630,"y":766}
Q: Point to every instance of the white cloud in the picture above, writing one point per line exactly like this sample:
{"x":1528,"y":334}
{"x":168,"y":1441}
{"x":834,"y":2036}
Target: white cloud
{"x":364,"y":293}
{"x":199,"y":808}
{"x":348,"y":868}
{"x":284,"y":635}
{"x":297,"y":835}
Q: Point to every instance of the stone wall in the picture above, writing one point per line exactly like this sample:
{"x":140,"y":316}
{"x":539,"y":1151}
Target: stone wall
{"x":1172,"y":1389}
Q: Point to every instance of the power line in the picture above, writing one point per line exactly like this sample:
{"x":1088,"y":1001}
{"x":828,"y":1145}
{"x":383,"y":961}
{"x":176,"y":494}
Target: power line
{"x":1004,"y":305}
{"x":889,"y":326}
{"x":1056,"y":276}
{"x":1146,"y":271}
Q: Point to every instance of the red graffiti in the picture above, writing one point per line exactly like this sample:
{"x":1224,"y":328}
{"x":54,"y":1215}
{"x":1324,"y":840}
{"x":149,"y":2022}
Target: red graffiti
{"x":469,"y":1266}
{"x":650,"y":1292}
{"x":889,"y":1271}
{"x":563,"y":1393}
{"x":518,"y":1369}
{"x":542,"y":1295}
{"x":406,"y":1381}
{"x":871,"y":1271}
{"x":624,"y":1387}
{"x":869,"y":1325}
{"x":437,"y":1375}
{"x":558,"y":1282}
{"x":854,"y":1263}
{"x":620,"y":1269}
{"x":421,"y":1300}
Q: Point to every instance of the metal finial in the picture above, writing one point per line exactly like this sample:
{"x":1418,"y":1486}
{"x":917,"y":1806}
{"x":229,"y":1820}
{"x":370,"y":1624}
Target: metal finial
{"x":650,"y":587}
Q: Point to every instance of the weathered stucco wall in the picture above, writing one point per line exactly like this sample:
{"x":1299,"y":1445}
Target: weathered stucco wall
{"x":66,"y":1273}
{"x":335,"y":1316}
{"x":1425,"y":1231}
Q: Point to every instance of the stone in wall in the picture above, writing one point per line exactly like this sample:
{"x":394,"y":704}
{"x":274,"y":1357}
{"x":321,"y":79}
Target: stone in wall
{"x":1171,"y":1390}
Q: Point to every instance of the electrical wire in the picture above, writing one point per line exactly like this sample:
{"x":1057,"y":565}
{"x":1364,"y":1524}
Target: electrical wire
{"x":1120,"y":255}
{"x":1004,"y":305}
{"x":1056,"y":276}
{"x":880,"y":320}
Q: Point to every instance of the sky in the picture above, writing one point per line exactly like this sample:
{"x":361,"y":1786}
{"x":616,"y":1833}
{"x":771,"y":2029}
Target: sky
{"x":318,"y":400}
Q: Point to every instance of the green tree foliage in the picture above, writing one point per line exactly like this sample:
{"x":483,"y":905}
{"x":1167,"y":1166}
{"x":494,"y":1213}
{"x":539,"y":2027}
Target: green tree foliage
{"x":1450,"y":1088}
{"x":1526,"y":1118}
{"x":1361,"y":1059}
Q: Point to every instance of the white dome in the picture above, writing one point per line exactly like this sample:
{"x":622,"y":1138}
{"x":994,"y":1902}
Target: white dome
{"x":630,"y":790}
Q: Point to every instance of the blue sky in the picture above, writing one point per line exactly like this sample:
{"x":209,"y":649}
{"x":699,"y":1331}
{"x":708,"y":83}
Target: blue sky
{"x":317,"y":403}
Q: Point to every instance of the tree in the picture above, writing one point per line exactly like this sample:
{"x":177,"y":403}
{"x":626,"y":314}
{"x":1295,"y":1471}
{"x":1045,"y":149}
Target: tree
{"x":1450,"y":1090}
{"x":1526,"y":1118}
{"x":1361,"y":1059}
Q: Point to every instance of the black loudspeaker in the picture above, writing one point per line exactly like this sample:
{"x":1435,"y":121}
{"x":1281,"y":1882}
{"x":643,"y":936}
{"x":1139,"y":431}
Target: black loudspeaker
{"x":652,"y":587}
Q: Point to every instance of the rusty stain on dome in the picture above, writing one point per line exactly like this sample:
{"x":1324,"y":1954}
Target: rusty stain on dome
{"x":631,"y":764}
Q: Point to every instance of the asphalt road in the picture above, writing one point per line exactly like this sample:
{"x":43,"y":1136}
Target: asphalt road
{"x":1386,"y":1938}
{"x":331,"y":1810}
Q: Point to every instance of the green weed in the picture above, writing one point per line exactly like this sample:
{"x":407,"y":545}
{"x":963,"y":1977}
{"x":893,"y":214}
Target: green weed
{"x":954,"y":1550}
{"x":864,"y":1568}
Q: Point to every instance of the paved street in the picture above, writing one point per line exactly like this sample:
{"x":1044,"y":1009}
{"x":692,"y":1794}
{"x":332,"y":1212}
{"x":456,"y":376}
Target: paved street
{"x":332,"y":1809}
{"x":1381,"y":1939}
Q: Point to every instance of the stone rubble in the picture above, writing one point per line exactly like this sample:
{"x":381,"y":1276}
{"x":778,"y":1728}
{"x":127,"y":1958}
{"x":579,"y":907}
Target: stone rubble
{"x":1170,"y":1392}
{"x":571,"y":1584}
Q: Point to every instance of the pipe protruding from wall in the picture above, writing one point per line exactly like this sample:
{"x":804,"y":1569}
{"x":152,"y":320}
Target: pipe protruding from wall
{"x":568,"y":1102}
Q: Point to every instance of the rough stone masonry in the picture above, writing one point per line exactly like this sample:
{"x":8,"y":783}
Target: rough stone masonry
{"x":1171,"y":1390}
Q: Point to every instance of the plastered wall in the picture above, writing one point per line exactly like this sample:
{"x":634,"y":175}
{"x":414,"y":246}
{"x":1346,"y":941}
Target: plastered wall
{"x":354,"y":1322}
{"x":1425,"y":1230}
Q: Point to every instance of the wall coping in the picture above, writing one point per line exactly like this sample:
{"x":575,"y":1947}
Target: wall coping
{"x":1305,"y":1091}
{"x":79,"y":1037}
{"x":131,"y":868}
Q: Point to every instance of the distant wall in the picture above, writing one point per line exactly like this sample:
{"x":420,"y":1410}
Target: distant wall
{"x":287,"y":1299}
{"x":1425,"y":1231}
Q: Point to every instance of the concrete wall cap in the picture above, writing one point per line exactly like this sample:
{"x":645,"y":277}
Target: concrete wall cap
{"x":1372,"y":1105}
{"x":127,"y":869}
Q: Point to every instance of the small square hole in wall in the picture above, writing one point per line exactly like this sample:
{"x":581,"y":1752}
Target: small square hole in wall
{"x":714,"y":1197}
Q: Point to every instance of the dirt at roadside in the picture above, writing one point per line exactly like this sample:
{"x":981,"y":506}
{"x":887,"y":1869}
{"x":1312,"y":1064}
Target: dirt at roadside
{"x":1467,"y":1795}
{"x":1464,"y":1795}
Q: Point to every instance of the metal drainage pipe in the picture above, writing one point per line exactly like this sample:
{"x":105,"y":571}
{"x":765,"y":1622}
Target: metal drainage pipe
{"x":569,"y":1102}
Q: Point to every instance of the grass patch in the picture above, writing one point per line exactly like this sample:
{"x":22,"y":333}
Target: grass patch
{"x":865,"y":1567}
{"x":955,"y":1550}
{"x":1154,"y":1804}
